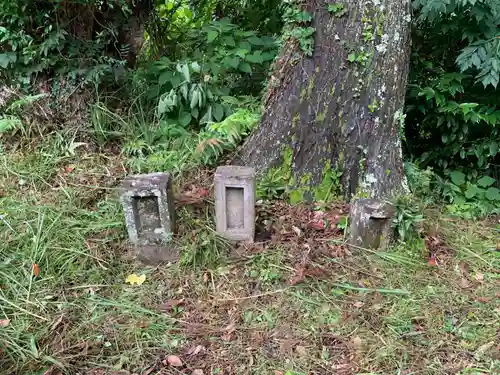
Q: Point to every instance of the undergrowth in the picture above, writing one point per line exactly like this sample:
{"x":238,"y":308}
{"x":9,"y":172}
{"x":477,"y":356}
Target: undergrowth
{"x":64,"y":301}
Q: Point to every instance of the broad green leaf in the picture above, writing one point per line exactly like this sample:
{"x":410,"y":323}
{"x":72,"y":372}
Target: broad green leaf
{"x":256,"y":41}
{"x":184,"y":70}
{"x":165,"y":77}
{"x":184,"y":89}
{"x":229,"y":40}
{"x":267,"y":56}
{"x":245,"y":67}
{"x":212,"y":35}
{"x":196,"y":67}
{"x":351,"y":57}
{"x":194,"y":98}
{"x":245,"y":46}
{"x":493,"y":194}
{"x":458,"y":178}
{"x":473,"y":191}
{"x":485,"y":181}
{"x":218,"y":112}
{"x":255,"y":57}
{"x":304,"y":17}
{"x":233,"y":62}
{"x":195,"y":112}
{"x":7,"y":58}
{"x":493,"y":148}
{"x":185,"y":119}
{"x":242,"y":53}
{"x":428,"y":92}
{"x":207,"y":117}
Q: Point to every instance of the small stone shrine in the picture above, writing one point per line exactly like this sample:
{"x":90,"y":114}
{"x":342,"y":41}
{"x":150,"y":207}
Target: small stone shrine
{"x":235,"y":203}
{"x":150,"y":216}
{"x":371,"y":224}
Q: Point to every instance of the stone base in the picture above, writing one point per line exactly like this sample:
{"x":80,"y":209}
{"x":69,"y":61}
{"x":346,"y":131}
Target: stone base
{"x":371,"y":224}
{"x":156,"y":254}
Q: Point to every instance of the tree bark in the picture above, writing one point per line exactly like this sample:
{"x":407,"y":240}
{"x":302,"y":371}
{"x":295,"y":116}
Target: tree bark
{"x":342,"y":108}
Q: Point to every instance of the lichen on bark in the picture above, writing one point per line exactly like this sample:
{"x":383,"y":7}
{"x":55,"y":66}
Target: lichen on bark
{"x":338,"y":108}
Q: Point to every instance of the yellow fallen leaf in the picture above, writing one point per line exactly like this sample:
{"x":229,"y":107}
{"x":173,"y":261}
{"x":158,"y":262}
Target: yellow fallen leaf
{"x":134,"y":279}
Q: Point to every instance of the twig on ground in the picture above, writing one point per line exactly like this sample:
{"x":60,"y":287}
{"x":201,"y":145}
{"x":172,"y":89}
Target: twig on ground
{"x":253,"y":296}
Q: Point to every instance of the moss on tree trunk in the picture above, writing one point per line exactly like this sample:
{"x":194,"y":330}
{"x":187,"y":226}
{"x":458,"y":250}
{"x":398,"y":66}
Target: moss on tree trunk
{"x":340,"y":109}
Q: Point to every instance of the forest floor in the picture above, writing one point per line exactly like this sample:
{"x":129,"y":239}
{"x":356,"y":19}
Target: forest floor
{"x":296,"y":302}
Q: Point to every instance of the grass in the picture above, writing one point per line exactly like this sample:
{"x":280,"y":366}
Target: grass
{"x":299,"y":304}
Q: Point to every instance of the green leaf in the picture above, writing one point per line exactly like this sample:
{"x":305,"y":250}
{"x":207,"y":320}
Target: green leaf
{"x":351,"y":57}
{"x":212,"y":35}
{"x":233,"y":62}
{"x":428,"y":92}
{"x":304,"y":17}
{"x":458,"y":178}
{"x":165,"y":77}
{"x":229,"y":40}
{"x":493,"y":148}
{"x":473,"y":191}
{"x":185,"y":119}
{"x":256,"y":41}
{"x":245,"y":67}
{"x":196,"y":67}
{"x":218,"y":112}
{"x":195,"y":112}
{"x":245,"y":46}
{"x":493,"y":194}
{"x":7,"y":58}
{"x":7,"y":124}
{"x":184,"y":70}
{"x":194,"y":98}
{"x":256,"y":57}
{"x":486,"y":181}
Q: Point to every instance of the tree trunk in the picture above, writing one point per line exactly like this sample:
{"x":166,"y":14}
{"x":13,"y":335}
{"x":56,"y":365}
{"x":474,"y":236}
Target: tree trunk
{"x":339,"y":111}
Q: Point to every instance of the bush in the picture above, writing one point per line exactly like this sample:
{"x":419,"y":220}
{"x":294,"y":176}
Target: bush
{"x":453,"y":113}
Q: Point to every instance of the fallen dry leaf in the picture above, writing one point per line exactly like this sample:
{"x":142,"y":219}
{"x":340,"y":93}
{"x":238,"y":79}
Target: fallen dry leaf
{"x":197,"y":350}
{"x":301,"y":350}
{"x":298,"y":276}
{"x":357,"y":343}
{"x":135,"y":280}
{"x":297,"y":231}
{"x":4,"y":323}
{"x":197,"y":372}
{"x":317,"y":224}
{"x":173,"y":360}
{"x":483,"y":299}
{"x":171,"y":304}
{"x":479,"y":277}
{"x":432,"y":261}
{"x":53,"y":371}
{"x":464,"y":283}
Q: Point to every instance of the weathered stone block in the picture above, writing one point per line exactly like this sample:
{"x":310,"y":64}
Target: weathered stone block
{"x":235,"y":202}
{"x":371,"y":223}
{"x":149,"y":215}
